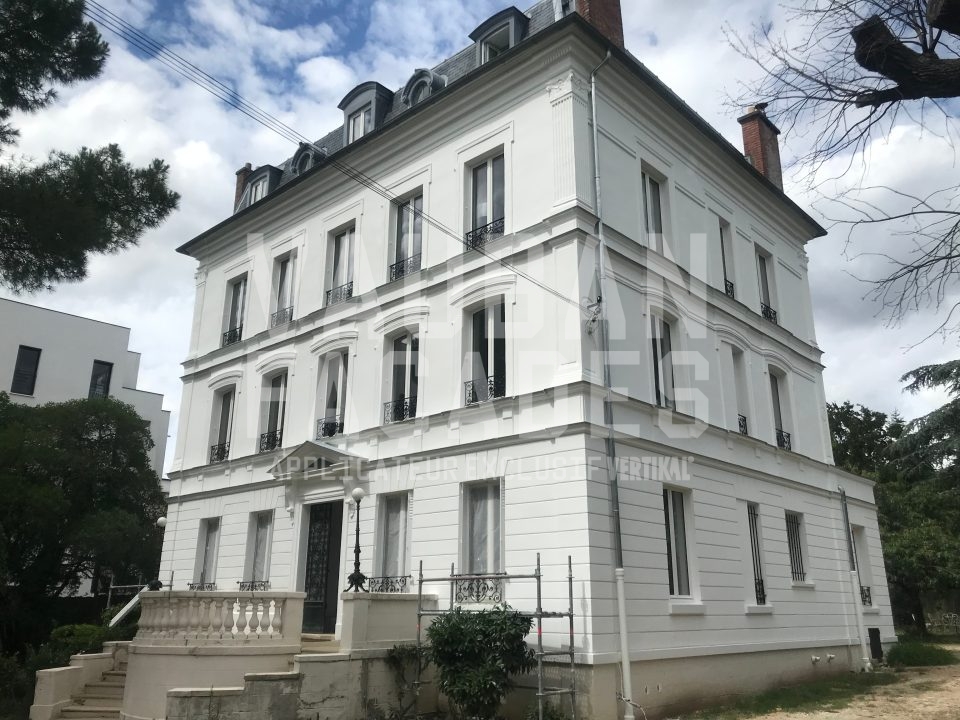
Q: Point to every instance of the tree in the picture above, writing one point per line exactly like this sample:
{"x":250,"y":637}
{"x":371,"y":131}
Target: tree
{"x":80,"y":493}
{"x":55,"y":214}
{"x":861,"y":437}
{"x":845,"y":72}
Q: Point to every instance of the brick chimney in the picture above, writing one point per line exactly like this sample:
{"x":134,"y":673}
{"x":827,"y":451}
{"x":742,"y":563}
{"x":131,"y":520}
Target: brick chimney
{"x":605,"y":16}
{"x":242,"y":175}
{"x":760,"y":144}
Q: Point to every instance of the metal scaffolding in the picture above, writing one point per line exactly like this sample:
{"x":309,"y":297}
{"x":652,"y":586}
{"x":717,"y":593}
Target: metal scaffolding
{"x":475,"y":589}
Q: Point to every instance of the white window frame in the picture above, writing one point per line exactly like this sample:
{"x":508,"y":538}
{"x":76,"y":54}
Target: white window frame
{"x":258,"y":190}
{"x":765,"y":278}
{"x":324,"y":387}
{"x":501,"y":33}
{"x":343,"y":243}
{"x":664,"y":371}
{"x":217,"y":437}
{"x":205,"y":552}
{"x":411,"y":385}
{"x":403,"y":546}
{"x":268,"y":401}
{"x":494,"y":543}
{"x":408,"y":209}
{"x":652,"y":186}
{"x":471,"y":361}
{"x":678,"y":574}
{"x":488,"y":163}
{"x":284,"y":275}
{"x":360,"y":123}
{"x":251,"y":557}
{"x":228,"y":315}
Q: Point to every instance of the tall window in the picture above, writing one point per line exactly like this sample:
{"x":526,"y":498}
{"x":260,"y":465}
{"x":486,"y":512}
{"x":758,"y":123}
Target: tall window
{"x":482,"y":526}
{"x":763,"y":278}
{"x":403,"y":379}
{"x":725,"y":252}
{"x":783,"y":437}
{"x":209,"y":540}
{"x":276,"y":409}
{"x":740,"y":390}
{"x":100,"y":379}
{"x":220,"y":450}
{"x":360,"y":123}
{"x":236,"y":301}
{"x":861,"y":557}
{"x":341,"y":263}
{"x":676,"y":532}
{"x":753,"y":521}
{"x":663,"y":380}
{"x":25,"y":371}
{"x":652,"y":212}
{"x":333,"y":394}
{"x":409,"y":236}
{"x":487,"y":355}
{"x":487,"y":202}
{"x":393,"y":534}
{"x":795,"y":546}
{"x":283,"y":291}
{"x":261,"y":528}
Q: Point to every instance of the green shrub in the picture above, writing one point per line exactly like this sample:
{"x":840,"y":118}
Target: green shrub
{"x":919,"y":654}
{"x":476,"y":653}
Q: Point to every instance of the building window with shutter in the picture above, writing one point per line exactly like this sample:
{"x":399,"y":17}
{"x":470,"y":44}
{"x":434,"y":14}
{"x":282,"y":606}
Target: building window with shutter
{"x":25,"y":371}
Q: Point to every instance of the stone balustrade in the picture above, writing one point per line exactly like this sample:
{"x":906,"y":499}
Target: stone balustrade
{"x":219,"y":618}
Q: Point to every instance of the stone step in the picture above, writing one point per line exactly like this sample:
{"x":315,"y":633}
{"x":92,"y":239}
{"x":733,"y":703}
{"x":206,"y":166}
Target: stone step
{"x":98,"y":699}
{"x":319,"y":648}
{"x":90,"y":712}
{"x":106,"y":686}
{"x":118,"y":675}
{"x":317,"y":637}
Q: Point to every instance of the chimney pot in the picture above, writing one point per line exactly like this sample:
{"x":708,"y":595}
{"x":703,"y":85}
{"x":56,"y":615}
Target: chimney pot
{"x":606,"y":16}
{"x":760,"y":144}
{"x":242,"y":175}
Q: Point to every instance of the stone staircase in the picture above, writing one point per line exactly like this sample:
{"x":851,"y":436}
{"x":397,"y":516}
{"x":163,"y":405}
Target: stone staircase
{"x":100,"y":700}
{"x":311,"y":644}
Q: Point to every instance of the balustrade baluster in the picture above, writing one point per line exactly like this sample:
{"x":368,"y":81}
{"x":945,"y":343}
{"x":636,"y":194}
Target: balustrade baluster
{"x":254,"y":624}
{"x":242,"y":620}
{"x":193,"y":618}
{"x":228,"y":619}
{"x":276,"y":623}
{"x":203,"y":630}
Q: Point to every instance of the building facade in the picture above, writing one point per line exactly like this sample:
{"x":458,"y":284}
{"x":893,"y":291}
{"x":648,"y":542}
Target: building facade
{"x":49,"y":356}
{"x":410,"y":306}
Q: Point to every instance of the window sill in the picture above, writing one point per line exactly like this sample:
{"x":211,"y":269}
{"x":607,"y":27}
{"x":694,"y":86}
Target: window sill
{"x":686,"y":607}
{"x":871,"y":610}
{"x":23,"y":395}
{"x":758,"y":610}
{"x":803,"y":584}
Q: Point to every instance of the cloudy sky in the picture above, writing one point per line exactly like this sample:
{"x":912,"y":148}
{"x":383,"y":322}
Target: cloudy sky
{"x":297,"y":58}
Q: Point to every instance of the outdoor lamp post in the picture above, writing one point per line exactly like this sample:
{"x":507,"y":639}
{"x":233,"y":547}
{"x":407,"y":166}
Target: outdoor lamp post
{"x":357,"y":579}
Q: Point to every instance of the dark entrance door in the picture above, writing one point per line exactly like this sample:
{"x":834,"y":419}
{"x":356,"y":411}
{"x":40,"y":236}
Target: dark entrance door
{"x":322,"y":578}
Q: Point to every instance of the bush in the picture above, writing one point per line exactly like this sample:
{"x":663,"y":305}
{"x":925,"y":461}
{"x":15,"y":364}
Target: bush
{"x":476,"y":653}
{"x":919,"y":654}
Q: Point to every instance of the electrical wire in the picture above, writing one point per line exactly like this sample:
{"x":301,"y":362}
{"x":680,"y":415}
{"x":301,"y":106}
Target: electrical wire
{"x":196,"y":75}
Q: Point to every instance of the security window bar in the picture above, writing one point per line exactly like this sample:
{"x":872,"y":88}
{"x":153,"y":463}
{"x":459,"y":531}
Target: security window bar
{"x":487,"y":203}
{"x":795,"y":546}
{"x":487,"y":357}
{"x":483,"y":528}
{"x":663,"y":379}
{"x":676,"y":533}
{"x":237,"y":299}
{"x":753,"y":520}
{"x":652,"y":212}
{"x":393,"y":535}
{"x":100,"y":379}
{"x":25,"y":371}
{"x":409,"y":234}
{"x":742,"y":424}
{"x":404,"y":379}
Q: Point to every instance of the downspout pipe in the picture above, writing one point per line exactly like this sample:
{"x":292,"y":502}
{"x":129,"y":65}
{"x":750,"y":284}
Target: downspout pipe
{"x":611,"y":445}
{"x":865,"y":663}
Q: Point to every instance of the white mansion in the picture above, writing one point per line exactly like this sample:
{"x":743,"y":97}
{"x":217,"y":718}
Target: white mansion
{"x":431,"y":336}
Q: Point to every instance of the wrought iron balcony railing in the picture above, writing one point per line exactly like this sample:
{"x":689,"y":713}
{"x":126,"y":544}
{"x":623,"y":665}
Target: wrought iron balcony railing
{"x":477,"y":589}
{"x":400,"y":410}
{"x":783,"y":439}
{"x":768,"y":312}
{"x":281,"y":317}
{"x":233,"y":335}
{"x":760,"y":591}
{"x":329,"y":426}
{"x":742,"y":424}
{"x":202,"y":586}
{"x":405,"y":267}
{"x":253,"y":585}
{"x":219,"y":453}
{"x":388,"y":583}
{"x":728,"y":288}
{"x":865,"y":596}
{"x":480,"y":236}
{"x":271,"y":441}
{"x":339,"y":294}
{"x":479,"y":391}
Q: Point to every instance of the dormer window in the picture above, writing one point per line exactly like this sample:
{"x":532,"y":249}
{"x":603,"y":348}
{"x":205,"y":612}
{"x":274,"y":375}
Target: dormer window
{"x":421,"y":85}
{"x":258,"y":190}
{"x":303,"y":163}
{"x":361,"y":122}
{"x":499,"y":33}
{"x":259,"y":185}
{"x":364,"y":109}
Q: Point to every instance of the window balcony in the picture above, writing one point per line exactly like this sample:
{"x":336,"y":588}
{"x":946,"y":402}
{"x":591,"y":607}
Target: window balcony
{"x":233,"y":335}
{"x":728,"y":288}
{"x":399,"y":410}
{"x":768,"y":313}
{"x":483,"y":390}
{"x":480,"y":236}
{"x":760,"y":591}
{"x":339,"y":294}
{"x":270,"y":441}
{"x":783,"y":439}
{"x":219,"y":453}
{"x":329,"y":426}
{"x":202,"y":586}
{"x":742,"y":425}
{"x":281,"y":317}
{"x":388,"y":584}
{"x":404,"y":267}
{"x":254,"y":585}
{"x":865,"y":596}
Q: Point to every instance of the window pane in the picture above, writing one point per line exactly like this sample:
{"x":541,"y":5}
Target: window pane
{"x":212,"y":528}
{"x":25,"y":371}
{"x":498,"y":189}
{"x":764,"y":281}
{"x":226,"y":407}
{"x":277,"y":401}
{"x":261,"y":538}
{"x":499,"y":342}
{"x":414,"y":365}
{"x":666,"y":524}
{"x":393,"y":540}
{"x":656,"y":220}
{"x":479,"y":357}
{"x":237,"y":292}
{"x":483,"y":531}
{"x":775,"y":396}
{"x":418,"y":225}
{"x":480,"y":217}
{"x":680,"y":543}
{"x":284,"y":266}
{"x":100,"y":379}
{"x":403,"y":231}
{"x":333,"y":387}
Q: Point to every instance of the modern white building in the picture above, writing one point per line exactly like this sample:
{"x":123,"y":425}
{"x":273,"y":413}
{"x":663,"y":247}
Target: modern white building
{"x":410,"y":306}
{"x":50,"y":356}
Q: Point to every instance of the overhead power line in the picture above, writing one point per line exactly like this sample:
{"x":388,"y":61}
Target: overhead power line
{"x":196,"y":75}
